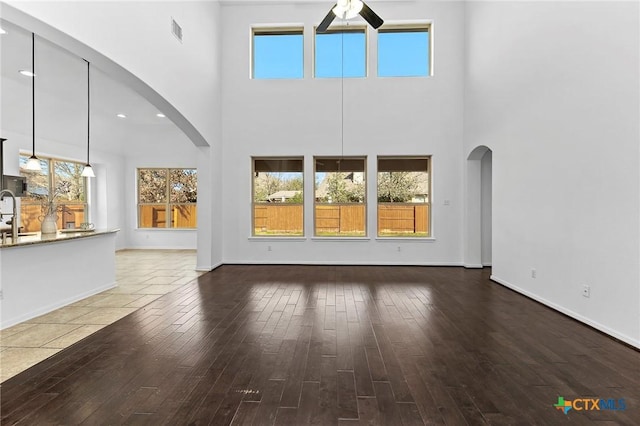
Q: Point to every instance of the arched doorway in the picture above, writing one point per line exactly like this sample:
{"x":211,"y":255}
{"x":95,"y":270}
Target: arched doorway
{"x":478,"y":208}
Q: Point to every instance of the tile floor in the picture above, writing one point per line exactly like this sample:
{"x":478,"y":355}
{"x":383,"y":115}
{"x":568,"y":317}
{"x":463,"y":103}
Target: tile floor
{"x":142,"y":277}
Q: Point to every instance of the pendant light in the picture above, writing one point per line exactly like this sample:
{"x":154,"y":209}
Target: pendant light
{"x":88,"y":170}
{"x":33,"y":163}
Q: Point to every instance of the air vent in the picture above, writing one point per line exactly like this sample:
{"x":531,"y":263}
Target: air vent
{"x":176,"y":29}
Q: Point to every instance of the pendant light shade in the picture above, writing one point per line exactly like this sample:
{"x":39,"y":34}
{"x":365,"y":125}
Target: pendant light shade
{"x":88,"y":170}
{"x":33,"y":163}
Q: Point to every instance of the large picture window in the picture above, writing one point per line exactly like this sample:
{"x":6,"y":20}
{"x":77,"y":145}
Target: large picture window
{"x":340,"y":197}
{"x":59,"y":181}
{"x":403,"y":196}
{"x":277,"y":53}
{"x":341,"y":53}
{"x":278,"y":197}
{"x":167,"y":198}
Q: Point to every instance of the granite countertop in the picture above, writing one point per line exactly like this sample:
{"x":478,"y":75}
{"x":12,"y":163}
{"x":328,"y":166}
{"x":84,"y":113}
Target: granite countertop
{"x":31,"y":238}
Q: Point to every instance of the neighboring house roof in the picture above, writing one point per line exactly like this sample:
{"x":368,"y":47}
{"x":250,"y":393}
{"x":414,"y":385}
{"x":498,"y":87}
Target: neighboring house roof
{"x":282,"y":195}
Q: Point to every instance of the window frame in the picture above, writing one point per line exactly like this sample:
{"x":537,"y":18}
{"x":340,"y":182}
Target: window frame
{"x":428,"y":203}
{"x":365,"y":201}
{"x":253,"y":191}
{"x":275,"y":30}
{"x":343,"y":29}
{"x":51,"y":182}
{"x":167,"y":202}
{"x":407,"y":28}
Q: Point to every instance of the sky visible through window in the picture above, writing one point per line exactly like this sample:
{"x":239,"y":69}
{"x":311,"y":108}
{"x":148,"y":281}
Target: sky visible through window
{"x":332,"y":47}
{"x":278,"y":56}
{"x":403,"y":54}
{"x":400,"y":54}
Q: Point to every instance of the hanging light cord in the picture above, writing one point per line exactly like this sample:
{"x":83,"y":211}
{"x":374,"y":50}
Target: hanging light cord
{"x":88,"y":110}
{"x":342,"y":92}
{"x":33,"y":94}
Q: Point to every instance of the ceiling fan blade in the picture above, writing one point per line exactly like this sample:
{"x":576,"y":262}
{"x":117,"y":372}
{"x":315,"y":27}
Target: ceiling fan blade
{"x":370,"y":16}
{"x":326,"y":21}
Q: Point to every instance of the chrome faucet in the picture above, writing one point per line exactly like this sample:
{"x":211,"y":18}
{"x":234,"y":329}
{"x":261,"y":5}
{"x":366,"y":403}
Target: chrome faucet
{"x":14,"y":219}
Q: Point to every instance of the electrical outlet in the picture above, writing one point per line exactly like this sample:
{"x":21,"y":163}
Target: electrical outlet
{"x":586,"y":291}
{"x":268,"y":248}
{"x":533,"y":273}
{"x":1,"y":295}
{"x":399,"y":248}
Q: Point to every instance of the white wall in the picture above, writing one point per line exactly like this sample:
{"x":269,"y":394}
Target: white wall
{"x":393,"y":116}
{"x":553,"y":89}
{"x":167,"y":148}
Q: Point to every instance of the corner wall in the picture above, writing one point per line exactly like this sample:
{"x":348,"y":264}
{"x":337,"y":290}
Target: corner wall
{"x":553,"y":89}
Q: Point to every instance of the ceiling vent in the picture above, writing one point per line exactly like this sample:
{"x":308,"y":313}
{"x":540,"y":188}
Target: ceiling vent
{"x":176,"y":29}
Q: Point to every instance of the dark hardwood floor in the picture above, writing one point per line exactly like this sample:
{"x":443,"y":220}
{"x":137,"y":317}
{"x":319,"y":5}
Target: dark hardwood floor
{"x":332,"y":345}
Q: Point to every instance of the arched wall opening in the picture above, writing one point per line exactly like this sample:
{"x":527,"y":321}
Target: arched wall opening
{"x":478,"y":208}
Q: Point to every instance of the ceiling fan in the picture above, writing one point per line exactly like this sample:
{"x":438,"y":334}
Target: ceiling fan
{"x":347,"y":9}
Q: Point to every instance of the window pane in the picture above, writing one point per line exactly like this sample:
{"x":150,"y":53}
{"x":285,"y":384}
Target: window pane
{"x":68,"y":183}
{"x":153,"y":216}
{"x":184,"y":186}
{"x":183,"y":216}
{"x":403,"y":53}
{"x":403,"y":197}
{"x":152,"y":185}
{"x":37,"y":181}
{"x":278,"y":55}
{"x":278,"y":196}
{"x":340,"y":208}
{"x":332,"y":47}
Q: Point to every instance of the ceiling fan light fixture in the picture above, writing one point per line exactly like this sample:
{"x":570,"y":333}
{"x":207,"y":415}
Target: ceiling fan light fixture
{"x":348,"y":9}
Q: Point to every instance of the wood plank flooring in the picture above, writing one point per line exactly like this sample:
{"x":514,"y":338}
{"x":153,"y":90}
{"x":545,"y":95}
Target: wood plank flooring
{"x":332,"y":345}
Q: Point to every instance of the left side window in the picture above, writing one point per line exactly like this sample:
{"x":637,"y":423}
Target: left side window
{"x":277,"y":53}
{"x":58,"y":185}
{"x":278,"y":196}
{"x":167,"y":198}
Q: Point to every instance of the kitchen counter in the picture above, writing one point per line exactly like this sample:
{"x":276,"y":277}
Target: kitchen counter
{"x":63,"y":235}
{"x":40,"y":274}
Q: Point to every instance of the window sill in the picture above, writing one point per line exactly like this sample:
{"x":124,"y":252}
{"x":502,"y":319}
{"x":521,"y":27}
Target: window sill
{"x":407,"y":239}
{"x":164,"y":229}
{"x":274,"y":238}
{"x":356,"y":239}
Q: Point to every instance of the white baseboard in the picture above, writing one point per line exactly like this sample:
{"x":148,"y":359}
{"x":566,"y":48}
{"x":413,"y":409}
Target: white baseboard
{"x":337,"y":263}
{"x":607,"y":330}
{"x":473,"y":265}
{"x":208,"y":268}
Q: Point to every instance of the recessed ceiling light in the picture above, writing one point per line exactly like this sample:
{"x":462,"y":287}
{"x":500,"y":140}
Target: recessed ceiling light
{"x":3,"y":31}
{"x":27,"y":73}
{"x":160,"y":115}
{"x":121,"y":116}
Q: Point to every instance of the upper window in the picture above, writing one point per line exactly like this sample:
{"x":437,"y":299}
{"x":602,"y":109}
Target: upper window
{"x":59,"y":184}
{"x":341,"y":53}
{"x":277,"y":53}
{"x":340,"y":207}
{"x":404,"y":51}
{"x":403,"y":197}
{"x":278,"y":196}
{"x":167,"y":198}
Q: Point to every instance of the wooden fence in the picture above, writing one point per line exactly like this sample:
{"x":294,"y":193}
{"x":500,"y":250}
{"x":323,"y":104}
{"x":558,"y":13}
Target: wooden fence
{"x":70,"y":216}
{"x":340,"y":219}
{"x":278,"y":219}
{"x":180,"y":215}
{"x":403,"y":219}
